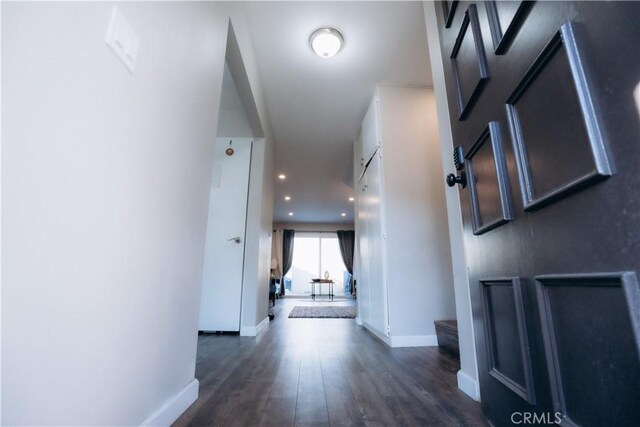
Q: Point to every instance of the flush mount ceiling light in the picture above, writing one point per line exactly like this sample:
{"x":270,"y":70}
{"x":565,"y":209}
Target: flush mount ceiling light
{"x":282,"y":176}
{"x":287,"y":198}
{"x":326,"y":42}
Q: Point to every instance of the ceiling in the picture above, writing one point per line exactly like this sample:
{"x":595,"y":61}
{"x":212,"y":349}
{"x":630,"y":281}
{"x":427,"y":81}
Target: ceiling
{"x":316,"y":105}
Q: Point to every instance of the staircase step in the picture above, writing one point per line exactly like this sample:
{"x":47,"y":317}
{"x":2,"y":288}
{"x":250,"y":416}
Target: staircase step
{"x":447,"y":332}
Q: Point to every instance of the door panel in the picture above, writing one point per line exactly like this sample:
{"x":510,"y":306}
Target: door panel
{"x":560,"y":93}
{"x":487,"y":176}
{"x":507,"y":343}
{"x":504,"y":19}
{"x":574,"y":324}
{"x":220,"y":302}
{"x":569,"y":146}
{"x":469,"y":62}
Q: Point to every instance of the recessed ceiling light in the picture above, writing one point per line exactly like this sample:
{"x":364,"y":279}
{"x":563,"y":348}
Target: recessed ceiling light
{"x":343,"y":214}
{"x":290,"y":213}
{"x":282,"y":176}
{"x":326,"y":42}
{"x":287,"y":198}
{"x":351,"y":199}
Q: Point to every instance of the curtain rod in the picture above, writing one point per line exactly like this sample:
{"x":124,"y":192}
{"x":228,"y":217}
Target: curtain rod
{"x":314,"y":231}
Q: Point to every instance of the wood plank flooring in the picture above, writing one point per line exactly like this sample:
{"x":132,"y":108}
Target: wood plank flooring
{"x":324,"y":372}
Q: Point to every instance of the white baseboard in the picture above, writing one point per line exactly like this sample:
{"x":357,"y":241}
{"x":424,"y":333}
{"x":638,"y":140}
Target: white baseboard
{"x":379,"y":335}
{"x":402,"y":340}
{"x":414,"y":341}
{"x":468,"y":385}
{"x":252,"y":331}
{"x":262,"y":325}
{"x":168,"y":413}
{"x":358,"y":321}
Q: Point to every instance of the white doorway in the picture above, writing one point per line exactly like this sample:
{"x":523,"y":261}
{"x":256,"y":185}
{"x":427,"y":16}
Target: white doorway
{"x":231,"y":292}
{"x":221,"y":301}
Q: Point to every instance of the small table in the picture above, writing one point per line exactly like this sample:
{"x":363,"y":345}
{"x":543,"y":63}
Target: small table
{"x":321,"y":282}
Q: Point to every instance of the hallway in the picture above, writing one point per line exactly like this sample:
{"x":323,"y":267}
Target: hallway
{"x":323,"y":372}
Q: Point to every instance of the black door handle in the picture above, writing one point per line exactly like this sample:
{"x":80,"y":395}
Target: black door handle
{"x":460,"y":180}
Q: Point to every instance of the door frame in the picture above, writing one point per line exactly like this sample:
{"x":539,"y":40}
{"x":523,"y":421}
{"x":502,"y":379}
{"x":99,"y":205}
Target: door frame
{"x":255,"y":289}
{"x":468,"y":374}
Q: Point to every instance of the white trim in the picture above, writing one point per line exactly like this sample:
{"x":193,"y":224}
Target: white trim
{"x":262,"y":325}
{"x":406,"y":85}
{"x":464,"y":312}
{"x":468,"y":385}
{"x":359,"y":321}
{"x":248,"y":331}
{"x":401,"y":341}
{"x":376,"y":334}
{"x":252,"y":331}
{"x":1,"y":204}
{"x":168,"y":413}
{"x":414,"y":341}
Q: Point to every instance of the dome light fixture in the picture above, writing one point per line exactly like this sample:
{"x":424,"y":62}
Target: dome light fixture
{"x":326,"y":42}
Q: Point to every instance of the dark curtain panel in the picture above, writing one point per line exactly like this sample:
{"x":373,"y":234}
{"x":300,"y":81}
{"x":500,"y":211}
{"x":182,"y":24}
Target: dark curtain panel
{"x":346,"y":240}
{"x":287,"y":254}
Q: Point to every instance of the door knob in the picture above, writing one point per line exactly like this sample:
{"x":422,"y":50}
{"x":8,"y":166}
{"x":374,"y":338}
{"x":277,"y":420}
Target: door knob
{"x":460,"y":180}
{"x":236,"y":239}
{"x":458,"y":161}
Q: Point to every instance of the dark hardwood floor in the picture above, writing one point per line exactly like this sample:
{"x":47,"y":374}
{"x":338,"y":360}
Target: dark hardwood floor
{"x":321,"y":372}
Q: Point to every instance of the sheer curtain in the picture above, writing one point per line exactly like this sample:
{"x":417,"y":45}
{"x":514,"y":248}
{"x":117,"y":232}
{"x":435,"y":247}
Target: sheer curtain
{"x":276,"y":252}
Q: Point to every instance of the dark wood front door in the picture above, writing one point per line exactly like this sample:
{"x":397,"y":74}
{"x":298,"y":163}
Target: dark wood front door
{"x":542,"y":104}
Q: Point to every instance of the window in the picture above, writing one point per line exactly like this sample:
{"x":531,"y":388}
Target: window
{"x":313,"y":254}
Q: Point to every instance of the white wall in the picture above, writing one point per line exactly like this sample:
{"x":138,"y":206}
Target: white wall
{"x":104,"y":207}
{"x":233,"y":123}
{"x":254,"y":283}
{"x":260,"y":208}
{"x":468,"y":374}
{"x":0,"y":215}
{"x":418,"y":258}
{"x":263,"y":255}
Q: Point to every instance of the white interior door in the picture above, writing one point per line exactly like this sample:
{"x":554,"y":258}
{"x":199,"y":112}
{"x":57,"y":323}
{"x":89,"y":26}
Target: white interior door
{"x":364,"y":294}
{"x":221,"y":298}
{"x":377,"y":283}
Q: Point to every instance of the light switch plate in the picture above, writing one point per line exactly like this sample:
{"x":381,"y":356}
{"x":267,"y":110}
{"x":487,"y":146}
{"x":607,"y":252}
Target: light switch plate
{"x":122,"y":40}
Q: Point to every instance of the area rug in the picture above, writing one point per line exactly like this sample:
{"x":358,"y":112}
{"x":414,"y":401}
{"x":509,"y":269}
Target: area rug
{"x":323,"y":312}
{"x":321,"y":298}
